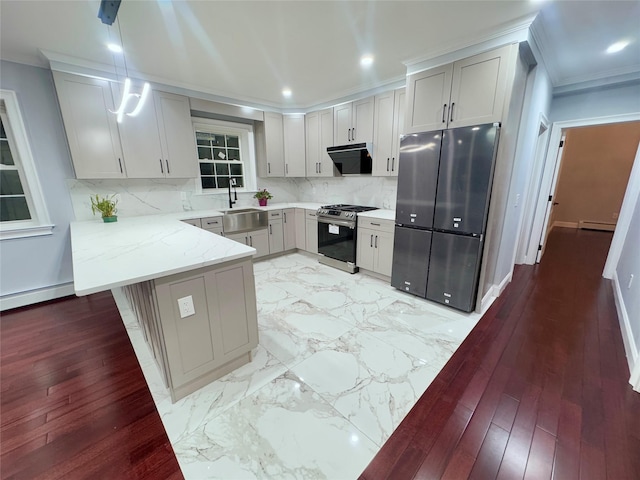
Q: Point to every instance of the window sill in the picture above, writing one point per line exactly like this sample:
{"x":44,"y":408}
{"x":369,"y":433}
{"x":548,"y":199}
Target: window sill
{"x":225,"y":192}
{"x":24,"y":232}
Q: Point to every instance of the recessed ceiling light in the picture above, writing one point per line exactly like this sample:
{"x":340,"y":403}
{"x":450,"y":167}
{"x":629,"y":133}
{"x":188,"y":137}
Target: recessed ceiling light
{"x":286,"y":92}
{"x":115,"y":48}
{"x":616,"y":47}
{"x":366,"y":60}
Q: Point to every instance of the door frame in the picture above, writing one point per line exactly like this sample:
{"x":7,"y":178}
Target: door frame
{"x":548,"y":183}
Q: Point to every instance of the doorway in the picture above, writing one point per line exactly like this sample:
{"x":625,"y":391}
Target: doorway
{"x":540,"y":211}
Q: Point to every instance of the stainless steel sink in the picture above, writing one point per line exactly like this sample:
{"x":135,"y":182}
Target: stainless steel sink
{"x":244,"y":220}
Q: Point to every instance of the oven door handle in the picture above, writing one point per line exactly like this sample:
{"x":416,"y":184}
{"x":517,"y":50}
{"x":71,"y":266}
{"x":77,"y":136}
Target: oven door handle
{"x":341,"y":223}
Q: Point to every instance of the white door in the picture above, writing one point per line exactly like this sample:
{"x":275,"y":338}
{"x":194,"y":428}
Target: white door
{"x":550,"y":202}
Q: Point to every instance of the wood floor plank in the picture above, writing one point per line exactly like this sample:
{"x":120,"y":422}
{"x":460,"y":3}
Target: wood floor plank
{"x":546,"y":374}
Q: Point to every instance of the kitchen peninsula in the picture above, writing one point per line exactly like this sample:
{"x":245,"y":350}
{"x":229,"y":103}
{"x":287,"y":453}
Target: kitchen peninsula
{"x":192,"y":291}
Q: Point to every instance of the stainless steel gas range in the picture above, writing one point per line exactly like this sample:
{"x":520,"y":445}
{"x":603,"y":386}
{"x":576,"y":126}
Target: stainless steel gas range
{"x":337,"y":235}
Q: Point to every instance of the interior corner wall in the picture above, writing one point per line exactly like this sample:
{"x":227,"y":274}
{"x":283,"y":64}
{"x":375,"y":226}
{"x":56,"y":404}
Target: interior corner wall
{"x":37,"y":263}
{"x":537,"y":103}
{"x":598,"y":102}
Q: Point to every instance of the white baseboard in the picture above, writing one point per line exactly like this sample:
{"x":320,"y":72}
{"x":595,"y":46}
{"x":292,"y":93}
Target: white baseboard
{"x":593,"y":225}
{"x":35,"y":296}
{"x":630,"y":347}
{"x":494,"y":292}
{"x":558,"y":223}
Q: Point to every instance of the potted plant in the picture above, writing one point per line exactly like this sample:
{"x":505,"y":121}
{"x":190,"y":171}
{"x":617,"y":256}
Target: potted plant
{"x":106,"y":206}
{"x":262,"y":196}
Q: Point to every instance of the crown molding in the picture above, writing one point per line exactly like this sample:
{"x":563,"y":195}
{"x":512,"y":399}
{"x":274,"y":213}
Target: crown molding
{"x":546,"y":51}
{"x":597,"y":84}
{"x":512,"y":32}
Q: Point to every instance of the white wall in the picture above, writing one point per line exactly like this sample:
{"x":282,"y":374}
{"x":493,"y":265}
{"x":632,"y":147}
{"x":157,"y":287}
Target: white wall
{"x":537,"y":103}
{"x":599,"y":102}
{"x":629,"y":264}
{"x":36,"y":263}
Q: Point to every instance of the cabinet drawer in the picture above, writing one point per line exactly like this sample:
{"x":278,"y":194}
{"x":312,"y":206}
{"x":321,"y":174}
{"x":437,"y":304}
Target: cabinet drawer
{"x":211,"y":222}
{"x":311,"y":214}
{"x":193,"y":221}
{"x":377,"y":224}
{"x":275,"y":213}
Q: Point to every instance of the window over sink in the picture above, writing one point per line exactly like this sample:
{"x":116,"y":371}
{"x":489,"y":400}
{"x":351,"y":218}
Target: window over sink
{"x":225,"y":153}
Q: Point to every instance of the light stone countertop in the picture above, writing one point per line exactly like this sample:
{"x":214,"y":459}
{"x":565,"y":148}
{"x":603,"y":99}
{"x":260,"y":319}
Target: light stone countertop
{"x":379,"y":214}
{"x":136,"y":249}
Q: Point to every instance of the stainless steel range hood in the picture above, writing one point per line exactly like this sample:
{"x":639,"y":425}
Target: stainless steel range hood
{"x":352,"y":159}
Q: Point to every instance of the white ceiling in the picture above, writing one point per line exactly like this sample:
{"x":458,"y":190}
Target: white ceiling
{"x":250,"y":50}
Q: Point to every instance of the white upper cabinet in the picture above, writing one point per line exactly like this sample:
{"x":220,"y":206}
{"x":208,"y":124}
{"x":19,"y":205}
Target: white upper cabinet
{"x":294,"y":145}
{"x":319,"y":136}
{"x":91,"y":128}
{"x":467,"y":92}
{"x":176,"y":135}
{"x":270,"y":145}
{"x":353,"y":122}
{"x":388,"y":126}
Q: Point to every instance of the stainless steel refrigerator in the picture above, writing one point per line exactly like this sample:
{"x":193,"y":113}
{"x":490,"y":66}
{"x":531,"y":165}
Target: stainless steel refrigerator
{"x":444,"y":187}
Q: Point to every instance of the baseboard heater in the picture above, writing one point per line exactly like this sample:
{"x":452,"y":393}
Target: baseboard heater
{"x":591,"y":225}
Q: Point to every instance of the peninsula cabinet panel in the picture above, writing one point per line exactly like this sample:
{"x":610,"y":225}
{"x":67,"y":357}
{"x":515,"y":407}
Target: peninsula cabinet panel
{"x":92,"y":130}
{"x":220,"y":334}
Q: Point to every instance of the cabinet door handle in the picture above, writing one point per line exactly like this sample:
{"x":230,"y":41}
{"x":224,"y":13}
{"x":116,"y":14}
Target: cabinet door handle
{"x":393,"y":163}
{"x":275,"y":214}
{"x":349,"y":135}
{"x":387,"y":164}
{"x":376,"y":241}
{"x":168,"y":171}
{"x":285,"y":217}
{"x":286,"y":168}
{"x":268,"y":167}
{"x":353,"y":133}
{"x":250,"y":241}
{"x":317,"y":168}
{"x":270,"y":230}
{"x":320,"y":167}
{"x":451,"y":118}
{"x":161,"y":167}
{"x":376,"y":224}
{"x":120,"y":163}
{"x":444,"y":113}
{"x":215,"y":222}
{"x":371,"y":242}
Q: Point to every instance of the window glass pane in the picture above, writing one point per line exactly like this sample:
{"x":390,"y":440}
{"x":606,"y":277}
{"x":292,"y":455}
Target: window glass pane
{"x":236,"y":168}
{"x":223,"y":182}
{"x":217,"y":140}
{"x":3,"y":134}
{"x":232,"y":141}
{"x":5,"y":154}
{"x":203,"y":138}
{"x":206,"y":169}
{"x":233,"y":154}
{"x":208,"y":182}
{"x":14,"y":208}
{"x":239,"y":181}
{"x":219,"y":154}
{"x":204,"y":153}
{"x":222,"y":169}
{"x":10,"y":183}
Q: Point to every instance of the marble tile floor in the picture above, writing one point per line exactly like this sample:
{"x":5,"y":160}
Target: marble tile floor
{"x":342,"y":359}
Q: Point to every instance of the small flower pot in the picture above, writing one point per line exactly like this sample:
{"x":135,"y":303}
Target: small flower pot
{"x":111,"y":219}
{"x":262,"y":202}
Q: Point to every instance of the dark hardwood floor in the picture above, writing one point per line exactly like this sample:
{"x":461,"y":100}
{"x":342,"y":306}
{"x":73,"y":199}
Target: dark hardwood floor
{"x":74,"y":402}
{"x":539,"y":389}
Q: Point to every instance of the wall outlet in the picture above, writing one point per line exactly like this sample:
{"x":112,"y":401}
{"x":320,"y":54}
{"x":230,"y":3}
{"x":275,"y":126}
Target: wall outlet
{"x":630,"y":281}
{"x":185,"y":305}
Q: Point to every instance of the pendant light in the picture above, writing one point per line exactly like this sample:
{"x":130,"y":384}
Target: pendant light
{"x":107,"y":13}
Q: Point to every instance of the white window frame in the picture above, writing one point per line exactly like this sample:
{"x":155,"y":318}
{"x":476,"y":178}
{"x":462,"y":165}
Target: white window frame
{"x":247,"y":148}
{"x":39,"y":224}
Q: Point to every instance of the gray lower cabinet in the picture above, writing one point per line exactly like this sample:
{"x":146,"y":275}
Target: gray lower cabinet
{"x":195,"y":349}
{"x":301,"y":235}
{"x":375,"y":245}
{"x":289,"y":228}
{"x":311,"y":231}
{"x":258,"y":239}
{"x":276,"y":235}
{"x":212,"y":224}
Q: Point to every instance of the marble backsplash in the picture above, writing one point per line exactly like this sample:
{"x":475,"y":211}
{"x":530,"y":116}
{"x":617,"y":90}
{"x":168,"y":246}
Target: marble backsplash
{"x":147,"y":197}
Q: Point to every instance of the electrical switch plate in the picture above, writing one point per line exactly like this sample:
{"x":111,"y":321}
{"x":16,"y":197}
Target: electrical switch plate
{"x":185,"y":305}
